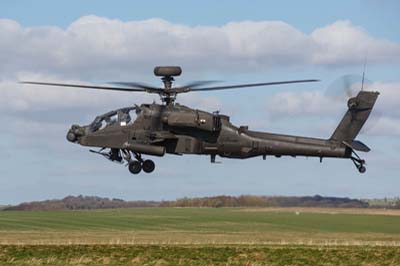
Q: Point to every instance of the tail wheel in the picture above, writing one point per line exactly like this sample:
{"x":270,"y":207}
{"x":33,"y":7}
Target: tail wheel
{"x":358,"y":162}
{"x":362,"y":169}
{"x":135,"y":167}
{"x":148,"y":166}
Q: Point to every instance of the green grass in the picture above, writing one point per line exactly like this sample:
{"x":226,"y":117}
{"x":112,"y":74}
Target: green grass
{"x":193,"y":236}
{"x":195,"y":219}
{"x":194,"y":225}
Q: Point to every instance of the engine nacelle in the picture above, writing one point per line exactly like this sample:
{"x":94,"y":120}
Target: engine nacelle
{"x":195,"y":119}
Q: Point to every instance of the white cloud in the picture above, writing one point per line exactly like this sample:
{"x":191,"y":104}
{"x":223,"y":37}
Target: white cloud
{"x":389,"y":99}
{"x":384,"y":126}
{"x":342,"y":43}
{"x":301,"y":103}
{"x":94,"y":46}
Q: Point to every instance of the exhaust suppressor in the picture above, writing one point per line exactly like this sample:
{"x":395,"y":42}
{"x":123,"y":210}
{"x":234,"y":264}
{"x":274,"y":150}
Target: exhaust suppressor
{"x":145,"y":148}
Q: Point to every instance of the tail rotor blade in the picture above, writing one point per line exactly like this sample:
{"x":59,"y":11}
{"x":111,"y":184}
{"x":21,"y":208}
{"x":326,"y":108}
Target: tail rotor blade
{"x":345,"y":87}
{"x":348,"y":86}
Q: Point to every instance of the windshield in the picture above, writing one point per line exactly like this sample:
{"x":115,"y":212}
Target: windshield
{"x":121,"y":116}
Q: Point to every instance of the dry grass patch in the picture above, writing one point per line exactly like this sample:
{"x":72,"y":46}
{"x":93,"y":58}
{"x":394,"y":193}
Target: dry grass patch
{"x":366,"y":211}
{"x":90,"y":255}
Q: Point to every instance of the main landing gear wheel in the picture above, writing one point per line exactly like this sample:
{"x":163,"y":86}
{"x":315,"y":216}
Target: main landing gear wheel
{"x":148,"y":166}
{"x":135,"y":167}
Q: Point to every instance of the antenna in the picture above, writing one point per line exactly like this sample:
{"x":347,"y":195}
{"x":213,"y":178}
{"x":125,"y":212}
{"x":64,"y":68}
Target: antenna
{"x":363,"y":76}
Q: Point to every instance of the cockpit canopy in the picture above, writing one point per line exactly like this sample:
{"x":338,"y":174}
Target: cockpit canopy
{"x":122,"y":116}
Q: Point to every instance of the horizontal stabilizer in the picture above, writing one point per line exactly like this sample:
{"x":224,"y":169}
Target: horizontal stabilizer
{"x":357,"y":145}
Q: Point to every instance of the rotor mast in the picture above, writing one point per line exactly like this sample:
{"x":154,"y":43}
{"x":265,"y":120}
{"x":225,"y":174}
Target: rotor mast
{"x":168,"y":94}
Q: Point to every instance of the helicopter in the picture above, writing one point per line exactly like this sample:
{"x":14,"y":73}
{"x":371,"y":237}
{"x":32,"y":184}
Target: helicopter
{"x":172,"y":128}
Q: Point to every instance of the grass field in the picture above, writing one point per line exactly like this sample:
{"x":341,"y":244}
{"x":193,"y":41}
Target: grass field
{"x":199,"y":226}
{"x":193,"y":236}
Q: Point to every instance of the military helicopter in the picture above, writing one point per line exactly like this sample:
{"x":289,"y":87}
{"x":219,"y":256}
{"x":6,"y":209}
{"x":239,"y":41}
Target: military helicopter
{"x":177,"y":129}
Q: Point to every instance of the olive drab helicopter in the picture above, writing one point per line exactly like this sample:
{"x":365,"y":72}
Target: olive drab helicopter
{"x":177,"y":129}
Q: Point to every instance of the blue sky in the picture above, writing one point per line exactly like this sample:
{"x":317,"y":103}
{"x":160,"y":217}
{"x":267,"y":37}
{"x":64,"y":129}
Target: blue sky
{"x":380,"y":17}
{"x":98,"y":41}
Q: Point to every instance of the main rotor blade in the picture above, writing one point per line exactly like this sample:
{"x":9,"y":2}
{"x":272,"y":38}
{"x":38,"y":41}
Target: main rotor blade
{"x":253,"y":85}
{"x":85,"y":86}
{"x":135,"y":85}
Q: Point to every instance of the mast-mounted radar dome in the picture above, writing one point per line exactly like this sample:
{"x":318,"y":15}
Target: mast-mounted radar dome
{"x":167,"y":71}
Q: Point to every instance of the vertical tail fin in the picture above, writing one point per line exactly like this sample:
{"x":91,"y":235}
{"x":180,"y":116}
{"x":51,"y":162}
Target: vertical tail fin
{"x":359,"y":109}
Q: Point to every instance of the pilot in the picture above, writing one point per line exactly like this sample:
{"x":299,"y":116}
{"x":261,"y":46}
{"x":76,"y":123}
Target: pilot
{"x":124,"y":117}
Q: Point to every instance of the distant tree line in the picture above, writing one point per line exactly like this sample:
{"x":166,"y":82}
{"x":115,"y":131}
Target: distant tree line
{"x":93,"y":202}
{"x":80,"y":203}
{"x":264,"y":201}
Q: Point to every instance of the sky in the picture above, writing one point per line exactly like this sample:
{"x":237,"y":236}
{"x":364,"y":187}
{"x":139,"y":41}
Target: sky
{"x":232,"y":41}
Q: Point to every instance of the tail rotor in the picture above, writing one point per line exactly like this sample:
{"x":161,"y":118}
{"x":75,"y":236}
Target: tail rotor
{"x":346,"y":88}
